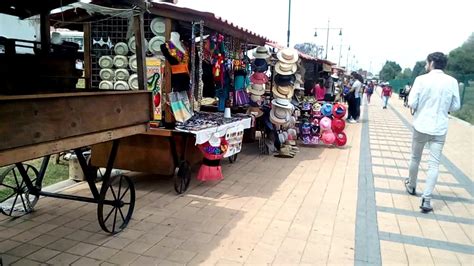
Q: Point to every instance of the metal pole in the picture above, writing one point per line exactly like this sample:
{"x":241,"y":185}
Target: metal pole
{"x":340,"y":54}
{"x":289,"y":20}
{"x":327,"y":41}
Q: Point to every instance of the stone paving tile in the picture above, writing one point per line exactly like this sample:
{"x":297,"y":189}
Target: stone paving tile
{"x":269,"y":210}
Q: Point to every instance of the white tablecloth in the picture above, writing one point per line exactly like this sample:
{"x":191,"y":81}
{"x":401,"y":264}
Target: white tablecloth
{"x":204,"y":135}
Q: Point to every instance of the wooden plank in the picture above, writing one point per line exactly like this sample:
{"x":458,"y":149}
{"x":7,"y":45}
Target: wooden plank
{"x":140,"y":49}
{"x":169,"y":118}
{"x":159,"y":132}
{"x":87,"y":55}
{"x":38,"y":150}
{"x":66,"y":95}
{"x":32,"y":121}
{"x":151,"y":154}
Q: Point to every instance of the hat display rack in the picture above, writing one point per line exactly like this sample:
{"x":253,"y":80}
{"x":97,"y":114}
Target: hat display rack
{"x":282,"y":113}
{"x":322,"y":122}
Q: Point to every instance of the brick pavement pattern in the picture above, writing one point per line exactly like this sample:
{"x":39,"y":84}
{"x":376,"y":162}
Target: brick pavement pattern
{"x":337,"y":206}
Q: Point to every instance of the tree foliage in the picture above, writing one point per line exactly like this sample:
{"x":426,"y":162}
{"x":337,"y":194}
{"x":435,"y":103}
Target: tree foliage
{"x":390,"y":70}
{"x":418,"y":69}
{"x":406,"y":74}
{"x":308,"y":48}
{"x":461,"y":59}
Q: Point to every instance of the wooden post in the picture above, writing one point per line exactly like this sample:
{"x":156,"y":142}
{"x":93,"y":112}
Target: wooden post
{"x":87,"y":55}
{"x":140,"y":49}
{"x":167,"y":75}
{"x":45,"y":33}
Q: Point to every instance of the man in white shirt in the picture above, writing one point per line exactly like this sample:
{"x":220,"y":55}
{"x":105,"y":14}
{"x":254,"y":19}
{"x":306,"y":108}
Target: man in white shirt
{"x":432,"y":96}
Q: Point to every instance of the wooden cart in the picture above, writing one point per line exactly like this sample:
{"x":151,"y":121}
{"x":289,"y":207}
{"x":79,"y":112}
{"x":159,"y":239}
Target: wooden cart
{"x":48,"y":116}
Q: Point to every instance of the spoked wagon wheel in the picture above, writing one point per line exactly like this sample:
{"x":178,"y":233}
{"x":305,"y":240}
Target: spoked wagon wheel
{"x":233,"y":158}
{"x":15,"y":199}
{"x":116,"y":203}
{"x":183,"y":178}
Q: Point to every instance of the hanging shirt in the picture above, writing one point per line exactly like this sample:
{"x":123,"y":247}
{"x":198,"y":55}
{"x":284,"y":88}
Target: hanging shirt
{"x":432,"y":96}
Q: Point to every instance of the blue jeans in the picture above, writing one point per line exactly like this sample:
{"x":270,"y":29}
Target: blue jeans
{"x":435,"y":144}
{"x":385,"y":101}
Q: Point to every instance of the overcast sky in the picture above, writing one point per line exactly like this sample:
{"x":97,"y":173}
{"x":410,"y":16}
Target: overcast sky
{"x":404,"y":31}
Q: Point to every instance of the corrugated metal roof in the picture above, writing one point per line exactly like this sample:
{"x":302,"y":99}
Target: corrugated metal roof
{"x":300,"y":54}
{"x":211,"y":21}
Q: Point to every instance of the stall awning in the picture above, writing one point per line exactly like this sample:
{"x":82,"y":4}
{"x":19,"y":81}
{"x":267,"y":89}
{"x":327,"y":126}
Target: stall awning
{"x":169,"y":10}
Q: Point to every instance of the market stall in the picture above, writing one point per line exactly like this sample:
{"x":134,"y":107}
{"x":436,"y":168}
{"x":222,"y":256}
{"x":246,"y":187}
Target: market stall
{"x":43,"y":113}
{"x":194,"y":59}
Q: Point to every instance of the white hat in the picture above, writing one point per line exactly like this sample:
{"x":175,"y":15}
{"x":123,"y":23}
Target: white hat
{"x":287,"y":55}
{"x":175,"y":39}
{"x":255,"y":98}
{"x":121,"y":48}
{"x":121,"y":85}
{"x":261,"y":52}
{"x":121,"y":74}
{"x":155,"y":43}
{"x":120,"y":61}
{"x":257,"y":89}
{"x":133,"y":82}
{"x":106,"y":85}
{"x":285,"y":69}
{"x":157,"y":26}
{"x":106,"y":74}
{"x":106,"y":61}
{"x":282,"y":103}
{"x":280,"y":116}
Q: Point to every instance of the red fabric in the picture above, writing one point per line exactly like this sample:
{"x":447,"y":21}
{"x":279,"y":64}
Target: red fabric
{"x":387,"y":91}
{"x":209,"y":173}
{"x":338,"y":125}
{"x":319,"y":92}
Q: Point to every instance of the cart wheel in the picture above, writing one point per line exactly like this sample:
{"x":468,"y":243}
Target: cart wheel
{"x":15,"y":199}
{"x":233,"y":158}
{"x":116,"y":203}
{"x":183,"y":178}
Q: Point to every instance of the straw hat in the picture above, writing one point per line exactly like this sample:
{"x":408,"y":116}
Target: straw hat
{"x":285,"y":92}
{"x":285,"y":69}
{"x":261,"y":52}
{"x":287,"y":55}
{"x":257,"y":89}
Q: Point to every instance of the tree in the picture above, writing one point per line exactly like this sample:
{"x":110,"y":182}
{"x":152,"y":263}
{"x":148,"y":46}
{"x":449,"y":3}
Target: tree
{"x":418,"y":69}
{"x":406,"y":74}
{"x":390,"y":70}
{"x":309,"y":49}
{"x":461,"y":59}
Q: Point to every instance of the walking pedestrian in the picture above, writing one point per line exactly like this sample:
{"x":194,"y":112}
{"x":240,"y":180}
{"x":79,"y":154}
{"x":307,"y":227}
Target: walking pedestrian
{"x":432,"y":96}
{"x":386,"y":94}
{"x":369,"y":91}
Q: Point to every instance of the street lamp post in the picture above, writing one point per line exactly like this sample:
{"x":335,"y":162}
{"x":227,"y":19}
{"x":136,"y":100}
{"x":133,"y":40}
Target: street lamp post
{"x":327,"y":35}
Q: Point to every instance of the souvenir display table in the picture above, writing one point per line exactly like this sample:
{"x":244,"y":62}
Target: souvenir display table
{"x":160,"y":151}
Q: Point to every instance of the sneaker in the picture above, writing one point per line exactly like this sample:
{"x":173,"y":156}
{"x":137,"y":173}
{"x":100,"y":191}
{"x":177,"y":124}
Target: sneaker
{"x":352,"y":121}
{"x":410,"y":190}
{"x":425,"y":205}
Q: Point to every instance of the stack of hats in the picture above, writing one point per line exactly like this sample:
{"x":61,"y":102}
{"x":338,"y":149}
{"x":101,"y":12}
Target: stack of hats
{"x":325,"y":125}
{"x":332,"y":124}
{"x":259,"y":78}
{"x":282,"y":108}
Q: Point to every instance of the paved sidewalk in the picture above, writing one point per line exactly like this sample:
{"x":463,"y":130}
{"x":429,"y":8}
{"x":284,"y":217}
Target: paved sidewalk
{"x":326,"y":206}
